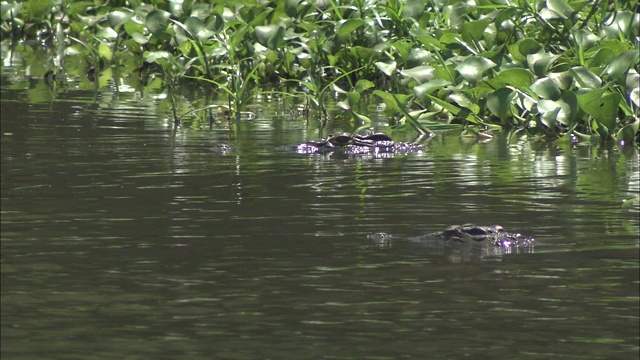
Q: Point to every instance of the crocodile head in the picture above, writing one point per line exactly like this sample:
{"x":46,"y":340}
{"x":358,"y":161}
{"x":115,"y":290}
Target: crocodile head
{"x":340,"y":139}
{"x":493,"y":233}
{"x":472,"y":232}
{"x":345,"y":143}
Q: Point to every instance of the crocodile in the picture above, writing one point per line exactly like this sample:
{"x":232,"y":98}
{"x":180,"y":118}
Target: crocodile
{"x":467,"y":241}
{"x":345,"y":143}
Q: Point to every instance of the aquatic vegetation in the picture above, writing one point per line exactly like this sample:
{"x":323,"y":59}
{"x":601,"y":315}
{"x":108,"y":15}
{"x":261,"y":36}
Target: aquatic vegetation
{"x":558,"y":69}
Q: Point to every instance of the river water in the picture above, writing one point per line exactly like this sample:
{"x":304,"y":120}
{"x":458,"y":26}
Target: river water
{"x":123,"y":238}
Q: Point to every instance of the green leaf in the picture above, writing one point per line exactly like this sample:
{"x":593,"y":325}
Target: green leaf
{"x":601,"y":130}
{"x":472,"y":68}
{"x":627,"y":134}
{"x":564,"y":110}
{"x":291,"y":7}
{"x":117,"y":17}
{"x":586,"y":78}
{"x":633,"y":88}
{"x":507,"y":14}
{"x":344,"y":105}
{"x":74,"y":8}
{"x":131,"y":27}
{"x":516,"y":77}
{"x":107,"y":33}
{"x":410,"y":119}
{"x":364,"y":54}
{"x":457,"y":111}
{"x":621,"y":24}
{"x":603,"y":56}
{"x":413,"y":9}
{"x":632,"y":81}
{"x":483,"y":89}
{"x":216,"y":22}
{"x":403,"y":47}
{"x":353,"y":98}
{"x":360,"y":118}
{"x":528,"y":46}
{"x":451,"y":41}
{"x":183,"y":34}
{"x":569,"y":105}
{"x":348,"y":27}
{"x":238,"y":36}
{"x":563,"y":80}
{"x":499,"y":103}
{"x":198,"y":29}
{"x":312,"y":87}
{"x":430,"y":42}
{"x":616,"y":45}
{"x":494,"y":52}
{"x":139,"y":38}
{"x":388,"y":69}
{"x":157,"y":56}
{"x":186,"y":47}
{"x":546,"y":88}
{"x":105,"y":52}
{"x":541,"y":63}
{"x":446,"y":72}
{"x":549,"y":117}
{"x":201,"y":11}
{"x":464,"y":101}
{"x":428,"y":87}
{"x":363,"y":85}
{"x":420,"y":74}
{"x":270,"y":36}
{"x":621,"y":65}
{"x":561,"y":8}
{"x":391,"y":106}
{"x":602,"y":106}
{"x":157,"y":21}
{"x":473,"y":31}
{"x":585,"y":39}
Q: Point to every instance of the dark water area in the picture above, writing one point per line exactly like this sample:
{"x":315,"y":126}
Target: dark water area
{"x":124,"y":238}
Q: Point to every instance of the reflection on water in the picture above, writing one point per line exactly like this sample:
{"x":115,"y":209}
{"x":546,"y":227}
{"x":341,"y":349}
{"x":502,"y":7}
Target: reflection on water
{"x":122,"y":238}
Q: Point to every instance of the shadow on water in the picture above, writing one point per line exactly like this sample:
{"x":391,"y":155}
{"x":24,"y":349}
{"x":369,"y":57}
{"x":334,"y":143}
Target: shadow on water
{"x":124,"y":239}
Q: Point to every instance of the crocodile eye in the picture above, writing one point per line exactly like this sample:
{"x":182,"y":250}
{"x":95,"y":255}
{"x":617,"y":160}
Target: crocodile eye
{"x":498,"y":228}
{"x":449,"y":232}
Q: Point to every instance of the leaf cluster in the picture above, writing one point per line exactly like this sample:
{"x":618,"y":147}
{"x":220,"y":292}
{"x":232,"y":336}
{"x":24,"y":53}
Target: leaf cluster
{"x":560,"y":69}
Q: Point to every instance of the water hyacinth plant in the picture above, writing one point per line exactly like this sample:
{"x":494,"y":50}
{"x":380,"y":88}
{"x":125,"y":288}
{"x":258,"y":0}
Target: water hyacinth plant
{"x":557,"y":69}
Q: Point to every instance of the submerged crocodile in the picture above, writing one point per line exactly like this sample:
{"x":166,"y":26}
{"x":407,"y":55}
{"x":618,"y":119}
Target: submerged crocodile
{"x":356,"y":144}
{"x":468,"y":241}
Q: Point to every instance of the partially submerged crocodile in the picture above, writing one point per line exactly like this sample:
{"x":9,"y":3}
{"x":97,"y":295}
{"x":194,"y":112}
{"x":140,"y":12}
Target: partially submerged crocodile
{"x":470,"y":240}
{"x":356,"y":144}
